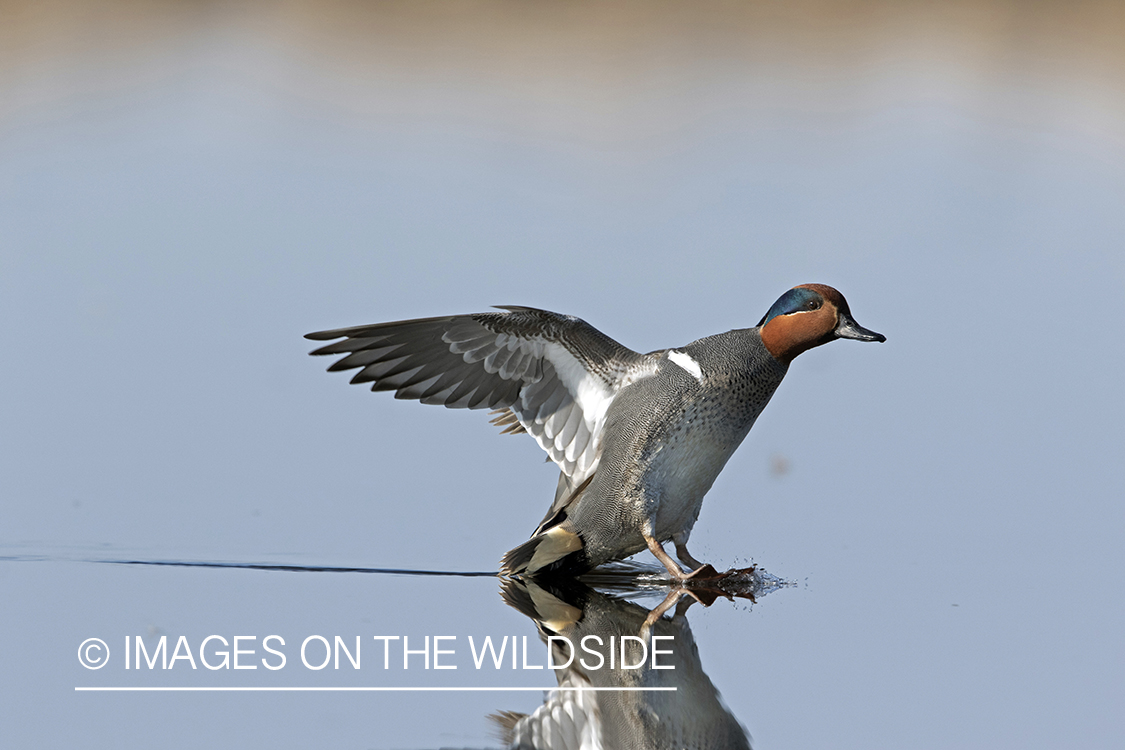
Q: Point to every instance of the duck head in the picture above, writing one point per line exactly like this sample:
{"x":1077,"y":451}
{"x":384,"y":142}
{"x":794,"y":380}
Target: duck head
{"x":806,"y":316}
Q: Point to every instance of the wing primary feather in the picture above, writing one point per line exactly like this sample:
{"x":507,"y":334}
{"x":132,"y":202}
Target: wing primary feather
{"x":364,"y":358}
{"x":543,"y":373}
{"x":377,"y":370}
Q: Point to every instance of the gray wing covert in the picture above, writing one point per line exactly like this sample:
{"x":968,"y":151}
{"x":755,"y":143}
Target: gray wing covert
{"x":555,"y":373}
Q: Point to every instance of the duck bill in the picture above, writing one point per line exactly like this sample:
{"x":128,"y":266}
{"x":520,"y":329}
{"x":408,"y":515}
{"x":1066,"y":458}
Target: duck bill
{"x":849,"y":329}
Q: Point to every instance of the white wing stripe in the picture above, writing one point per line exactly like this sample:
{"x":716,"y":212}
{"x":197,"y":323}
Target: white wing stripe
{"x":591,"y":392}
{"x":685,"y":362}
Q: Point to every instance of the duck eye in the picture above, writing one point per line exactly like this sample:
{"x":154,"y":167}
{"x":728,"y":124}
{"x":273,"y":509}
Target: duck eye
{"x":812,"y":304}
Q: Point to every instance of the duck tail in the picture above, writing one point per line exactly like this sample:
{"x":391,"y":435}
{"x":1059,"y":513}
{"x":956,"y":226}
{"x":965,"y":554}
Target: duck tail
{"x":543,"y":553}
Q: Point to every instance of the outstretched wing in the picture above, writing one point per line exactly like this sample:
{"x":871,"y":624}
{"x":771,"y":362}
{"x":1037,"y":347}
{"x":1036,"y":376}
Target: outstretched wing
{"x":555,"y":373}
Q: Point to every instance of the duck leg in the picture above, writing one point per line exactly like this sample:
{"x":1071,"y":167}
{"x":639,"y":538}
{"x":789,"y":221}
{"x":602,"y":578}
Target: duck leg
{"x":658,"y":550}
{"x":701,"y":571}
{"x":683,"y":554}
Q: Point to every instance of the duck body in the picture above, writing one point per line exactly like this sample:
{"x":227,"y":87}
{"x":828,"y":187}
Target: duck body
{"x":639,"y":438}
{"x":667,"y":437}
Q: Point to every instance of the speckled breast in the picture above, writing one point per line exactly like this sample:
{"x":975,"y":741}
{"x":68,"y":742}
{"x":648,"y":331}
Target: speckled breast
{"x":701,"y":442}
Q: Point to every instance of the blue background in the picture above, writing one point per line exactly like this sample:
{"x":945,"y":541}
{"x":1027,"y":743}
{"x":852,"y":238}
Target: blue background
{"x":187,"y":188}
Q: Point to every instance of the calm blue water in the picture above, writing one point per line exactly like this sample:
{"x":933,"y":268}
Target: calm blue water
{"x":185,"y":191}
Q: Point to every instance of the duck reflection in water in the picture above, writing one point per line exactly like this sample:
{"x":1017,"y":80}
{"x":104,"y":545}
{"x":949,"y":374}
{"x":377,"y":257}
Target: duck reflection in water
{"x":567,"y":613}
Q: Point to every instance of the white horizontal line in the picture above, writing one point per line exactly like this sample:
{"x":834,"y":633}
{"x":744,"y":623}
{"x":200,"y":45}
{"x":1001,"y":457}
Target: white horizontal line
{"x":364,"y":689}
